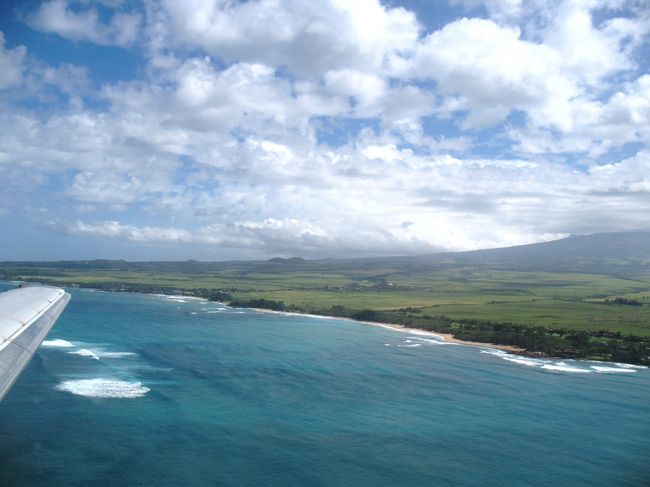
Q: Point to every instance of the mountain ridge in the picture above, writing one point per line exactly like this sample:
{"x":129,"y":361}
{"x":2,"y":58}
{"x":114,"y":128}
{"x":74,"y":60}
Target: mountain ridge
{"x":606,"y":252}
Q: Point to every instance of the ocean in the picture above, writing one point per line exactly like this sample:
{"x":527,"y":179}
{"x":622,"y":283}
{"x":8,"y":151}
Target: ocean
{"x":146,"y":390}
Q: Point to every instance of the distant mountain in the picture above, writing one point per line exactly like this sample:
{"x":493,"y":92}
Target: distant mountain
{"x":291,"y":260}
{"x":602,"y":251}
{"x":612,"y":253}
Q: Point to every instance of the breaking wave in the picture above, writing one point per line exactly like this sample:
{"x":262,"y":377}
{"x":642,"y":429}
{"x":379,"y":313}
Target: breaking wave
{"x":432,"y":341}
{"x":577,"y":367}
{"x":115,"y":354}
{"x":104,"y":388}
{"x":180,"y":298}
{"x":57,"y":343}
{"x":630,"y":366}
{"x":562,"y":367}
{"x":95,"y":353}
{"x":529,"y":362}
{"x":84,"y":352}
{"x":612,"y":370}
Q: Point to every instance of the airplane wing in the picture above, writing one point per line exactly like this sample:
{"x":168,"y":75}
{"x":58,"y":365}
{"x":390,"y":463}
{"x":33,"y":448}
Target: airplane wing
{"x":26,"y":316}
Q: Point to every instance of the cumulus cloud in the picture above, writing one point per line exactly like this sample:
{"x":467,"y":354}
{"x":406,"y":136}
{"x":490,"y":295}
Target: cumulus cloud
{"x":595,"y":127}
{"x":489,"y":70}
{"x":11,"y":64}
{"x":26,"y":78}
{"x":84,"y":24}
{"x":332,"y":128}
{"x":114,"y":229}
{"x":523,"y":201}
{"x":309,"y":38}
{"x":285,"y":236}
{"x":588,"y":52}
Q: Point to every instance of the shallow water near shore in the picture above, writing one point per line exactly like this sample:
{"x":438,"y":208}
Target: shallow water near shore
{"x":151,"y":390}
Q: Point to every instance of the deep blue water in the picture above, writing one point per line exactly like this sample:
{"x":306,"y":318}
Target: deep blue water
{"x":212,"y":396}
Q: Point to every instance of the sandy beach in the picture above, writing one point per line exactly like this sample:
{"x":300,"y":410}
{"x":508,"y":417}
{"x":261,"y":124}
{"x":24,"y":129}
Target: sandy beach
{"x":447,"y":337}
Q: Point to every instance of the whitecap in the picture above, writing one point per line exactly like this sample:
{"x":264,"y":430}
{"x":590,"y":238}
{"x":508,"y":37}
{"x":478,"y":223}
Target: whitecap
{"x":57,"y":343}
{"x":104,"y":388}
{"x":410,"y":345}
{"x":492,"y":351}
{"x":562,"y":367}
{"x":613,"y":370}
{"x":517,"y":359}
{"x":180,"y":298}
{"x":630,"y":366}
{"x":174,"y":299}
{"x":102,"y":354}
{"x":84,"y":352}
{"x":433,"y":341}
{"x":423,"y":332}
{"x":214,"y":310}
{"x":529,"y":362}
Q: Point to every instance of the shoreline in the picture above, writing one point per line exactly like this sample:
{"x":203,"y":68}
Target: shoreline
{"x":446,"y":337}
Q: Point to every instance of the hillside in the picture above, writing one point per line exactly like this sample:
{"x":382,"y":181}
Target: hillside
{"x":604,"y":252}
{"x":575,"y":297}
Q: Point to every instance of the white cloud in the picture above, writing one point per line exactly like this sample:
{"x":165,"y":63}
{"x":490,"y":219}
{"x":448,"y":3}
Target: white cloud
{"x":84,"y":24}
{"x":11,"y":64}
{"x":222,"y":138}
{"x":447,"y":200}
{"x":489,"y":70}
{"x":114,"y":229}
{"x":285,"y":236}
{"x":588,"y":53}
{"x":309,"y":38}
{"x":24,"y":77}
{"x":366,"y":89}
{"x":630,"y":107}
{"x":118,"y":189}
{"x":499,"y":10}
{"x":595,"y":127}
{"x":486,"y":69}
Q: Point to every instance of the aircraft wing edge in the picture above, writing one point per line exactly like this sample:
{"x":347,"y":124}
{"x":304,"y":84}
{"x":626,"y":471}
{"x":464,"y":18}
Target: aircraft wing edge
{"x":26,"y":316}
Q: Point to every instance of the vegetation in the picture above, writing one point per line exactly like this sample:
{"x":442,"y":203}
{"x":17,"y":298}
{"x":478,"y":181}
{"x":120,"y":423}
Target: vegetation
{"x":537,"y":340}
{"x":624,"y":301}
{"x":590,"y":302}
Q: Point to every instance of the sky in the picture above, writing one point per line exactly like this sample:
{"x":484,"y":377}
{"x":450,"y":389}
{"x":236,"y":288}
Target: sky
{"x":224,"y":129}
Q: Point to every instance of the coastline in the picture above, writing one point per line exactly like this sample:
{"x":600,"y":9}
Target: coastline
{"x":447,"y":337}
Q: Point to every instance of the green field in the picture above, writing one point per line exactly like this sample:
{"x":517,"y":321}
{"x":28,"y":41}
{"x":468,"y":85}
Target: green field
{"x":581,"y":297}
{"x":575,"y":301}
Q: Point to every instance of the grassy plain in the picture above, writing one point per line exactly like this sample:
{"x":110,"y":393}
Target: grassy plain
{"x":557,"y":299}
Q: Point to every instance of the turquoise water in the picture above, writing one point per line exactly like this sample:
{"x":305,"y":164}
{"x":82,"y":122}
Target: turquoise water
{"x":204,"y":395}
